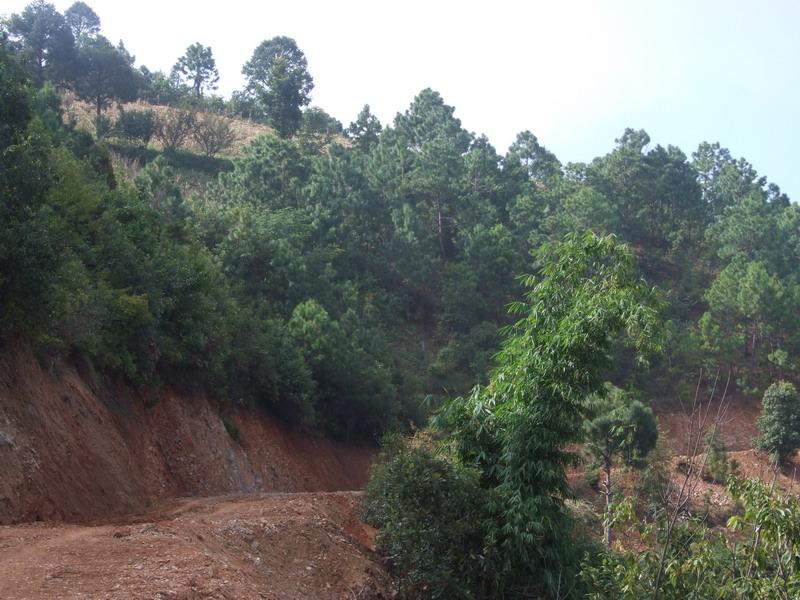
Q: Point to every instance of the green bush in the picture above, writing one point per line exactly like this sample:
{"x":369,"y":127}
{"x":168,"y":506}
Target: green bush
{"x":717,"y":466}
{"x":779,"y":421}
{"x":137,"y":126}
{"x":103,"y":127}
{"x":431,"y":513}
{"x":753,"y":557}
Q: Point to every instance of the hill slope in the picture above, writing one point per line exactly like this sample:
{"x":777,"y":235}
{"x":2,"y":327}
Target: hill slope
{"x":74,"y":449}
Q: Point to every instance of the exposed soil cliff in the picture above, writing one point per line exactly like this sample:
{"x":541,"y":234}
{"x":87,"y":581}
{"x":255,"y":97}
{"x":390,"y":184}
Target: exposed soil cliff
{"x":71,"y":449}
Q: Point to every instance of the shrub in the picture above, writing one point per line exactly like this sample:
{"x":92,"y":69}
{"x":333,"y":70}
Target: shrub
{"x":432,"y":513}
{"x":754,"y":557}
{"x":653,"y":486}
{"x":214,"y":134}
{"x":717,"y":467}
{"x":103,"y":127}
{"x":137,"y":125}
{"x":779,"y":421}
{"x":174,"y":128}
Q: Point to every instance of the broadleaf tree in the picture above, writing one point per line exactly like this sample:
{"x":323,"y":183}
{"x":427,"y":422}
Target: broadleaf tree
{"x":517,"y":430}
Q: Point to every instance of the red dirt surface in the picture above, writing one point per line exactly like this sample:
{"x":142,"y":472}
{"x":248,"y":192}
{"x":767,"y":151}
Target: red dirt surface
{"x":72,"y":449}
{"x":750,"y":464}
{"x":737,"y":423}
{"x":275,"y":547}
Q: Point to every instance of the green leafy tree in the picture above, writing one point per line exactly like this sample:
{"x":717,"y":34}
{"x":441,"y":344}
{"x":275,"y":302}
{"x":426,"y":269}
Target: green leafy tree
{"x":744,"y":317}
{"x":272,"y":172}
{"x":726,"y":181}
{"x":318,"y":130}
{"x":83,"y":21}
{"x":137,"y":125}
{"x":28,"y":258}
{"x":779,"y":421}
{"x":47,"y":48}
{"x":350,"y":214}
{"x":618,"y":426}
{"x":754,"y":299}
{"x":159,"y":88}
{"x":198,"y":69}
{"x":105,"y":75}
{"x":749,"y":230}
{"x":654,"y":192}
{"x":430,"y":143}
{"x":538,"y":163}
{"x":245,"y":104}
{"x":277,"y":74}
{"x":584,"y":210}
{"x":517,"y":429}
{"x":355,"y":394}
{"x":486,"y":184}
{"x":158,"y":187}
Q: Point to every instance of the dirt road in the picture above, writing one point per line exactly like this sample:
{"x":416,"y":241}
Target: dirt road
{"x":269,"y":546}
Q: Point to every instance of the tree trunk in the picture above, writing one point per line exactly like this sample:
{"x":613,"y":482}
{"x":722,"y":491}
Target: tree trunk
{"x":441,"y":232}
{"x":608,"y":494}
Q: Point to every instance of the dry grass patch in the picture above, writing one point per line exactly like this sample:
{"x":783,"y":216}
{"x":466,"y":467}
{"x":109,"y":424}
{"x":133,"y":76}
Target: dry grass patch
{"x":83,"y":114}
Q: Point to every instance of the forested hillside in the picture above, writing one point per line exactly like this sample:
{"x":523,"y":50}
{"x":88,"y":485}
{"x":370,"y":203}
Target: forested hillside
{"x":353,"y":279}
{"x":340,"y":283}
{"x":380,"y":263}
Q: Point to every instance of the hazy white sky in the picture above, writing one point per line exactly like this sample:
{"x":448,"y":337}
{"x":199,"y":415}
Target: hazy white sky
{"x":574,"y":72}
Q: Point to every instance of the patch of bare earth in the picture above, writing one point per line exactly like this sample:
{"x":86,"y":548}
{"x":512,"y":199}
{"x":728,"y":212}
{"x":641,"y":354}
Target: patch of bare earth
{"x":273,"y":546}
{"x":749,"y":464}
{"x":737,"y":422}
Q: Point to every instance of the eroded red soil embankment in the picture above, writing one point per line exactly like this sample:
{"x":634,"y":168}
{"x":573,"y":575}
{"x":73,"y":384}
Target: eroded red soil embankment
{"x":73,"y":450}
